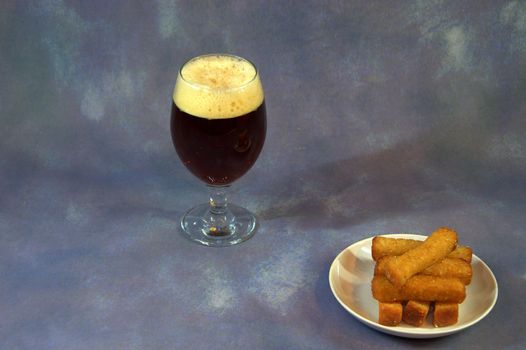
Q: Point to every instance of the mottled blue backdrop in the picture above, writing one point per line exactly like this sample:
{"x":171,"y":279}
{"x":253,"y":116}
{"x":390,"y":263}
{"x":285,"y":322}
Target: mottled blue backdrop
{"x":383,"y":116}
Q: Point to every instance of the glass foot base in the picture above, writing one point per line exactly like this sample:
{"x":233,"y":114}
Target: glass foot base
{"x":199,"y":226}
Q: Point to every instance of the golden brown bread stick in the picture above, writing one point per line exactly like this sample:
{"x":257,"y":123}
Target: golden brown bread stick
{"x":415,"y":312}
{"x":386,"y":246}
{"x":389,"y":314}
{"x":445,"y":314}
{"x":439,"y":244}
{"x":451,"y":267}
{"x":384,"y":291}
{"x":421,"y":288}
{"x":447,"y":267}
{"x":462,"y":252}
{"x":432,"y":288}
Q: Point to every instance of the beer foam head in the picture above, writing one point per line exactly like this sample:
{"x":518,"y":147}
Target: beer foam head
{"x":218,"y":86}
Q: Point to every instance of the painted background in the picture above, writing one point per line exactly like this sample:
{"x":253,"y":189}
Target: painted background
{"x":382,"y":117}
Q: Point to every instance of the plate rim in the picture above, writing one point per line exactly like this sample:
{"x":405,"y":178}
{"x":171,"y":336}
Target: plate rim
{"x":415,"y":332}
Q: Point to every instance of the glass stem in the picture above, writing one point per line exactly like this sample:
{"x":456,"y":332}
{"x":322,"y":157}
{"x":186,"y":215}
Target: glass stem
{"x":220,"y":219}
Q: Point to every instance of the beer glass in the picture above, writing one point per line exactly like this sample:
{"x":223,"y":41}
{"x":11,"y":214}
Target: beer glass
{"x":218,"y":126}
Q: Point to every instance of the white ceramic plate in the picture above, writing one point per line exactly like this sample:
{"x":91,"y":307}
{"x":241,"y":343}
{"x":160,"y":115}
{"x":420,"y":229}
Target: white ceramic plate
{"x":350,"y":278}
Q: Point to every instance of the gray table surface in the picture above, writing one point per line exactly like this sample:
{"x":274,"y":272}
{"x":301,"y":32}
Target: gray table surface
{"x":383,"y":117}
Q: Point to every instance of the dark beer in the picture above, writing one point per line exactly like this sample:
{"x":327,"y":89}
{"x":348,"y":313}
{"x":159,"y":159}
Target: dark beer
{"x":218,"y":119}
{"x":218,"y":151}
